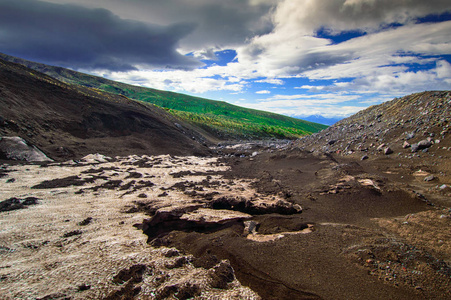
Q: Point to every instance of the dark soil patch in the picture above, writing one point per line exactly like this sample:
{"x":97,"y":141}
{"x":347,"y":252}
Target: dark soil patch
{"x":109,"y":185}
{"x":133,"y":274}
{"x":85,"y":222}
{"x":67,"y":181}
{"x":17,"y":203}
{"x":130,"y":277}
{"x":72,"y":233}
{"x":134,"y":175}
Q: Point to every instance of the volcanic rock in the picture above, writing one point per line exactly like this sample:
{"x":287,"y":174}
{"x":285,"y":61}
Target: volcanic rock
{"x":16,"y":148}
{"x":424,"y":144}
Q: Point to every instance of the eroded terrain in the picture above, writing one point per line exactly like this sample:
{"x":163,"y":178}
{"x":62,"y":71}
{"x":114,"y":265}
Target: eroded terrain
{"x":79,"y":241}
{"x":274,"y":222}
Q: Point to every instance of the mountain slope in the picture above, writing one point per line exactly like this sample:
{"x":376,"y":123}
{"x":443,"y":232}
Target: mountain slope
{"x":411,"y":118}
{"x":223,"y":120}
{"x":67,"y":121}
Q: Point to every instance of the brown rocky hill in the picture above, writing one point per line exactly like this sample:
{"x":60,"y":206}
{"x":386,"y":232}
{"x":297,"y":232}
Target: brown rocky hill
{"x":67,"y":122}
{"x":413,"y":118}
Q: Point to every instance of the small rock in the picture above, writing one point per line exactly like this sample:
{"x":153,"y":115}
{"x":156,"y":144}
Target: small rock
{"x":410,"y":136}
{"x":84,"y":287}
{"x":364,"y":157}
{"x":388,"y":151}
{"x":297,"y":208}
{"x":424,"y":144}
{"x":250,"y":227}
{"x":429,"y":178}
{"x":405,"y":145}
{"x":380,"y":147}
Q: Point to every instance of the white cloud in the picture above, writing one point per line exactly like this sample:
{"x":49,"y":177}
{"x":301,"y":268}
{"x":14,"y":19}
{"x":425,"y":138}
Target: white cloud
{"x":271,"y":81}
{"x":342,"y":15}
{"x":263,"y":92}
{"x":197,"y":81}
{"x":443,"y":69}
{"x":327,"y":105}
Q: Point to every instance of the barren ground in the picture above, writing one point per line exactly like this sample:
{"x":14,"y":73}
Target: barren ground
{"x":363,"y":233}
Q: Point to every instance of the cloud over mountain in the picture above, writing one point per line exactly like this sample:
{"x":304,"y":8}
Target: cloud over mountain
{"x":84,"y":38}
{"x":367,"y":49}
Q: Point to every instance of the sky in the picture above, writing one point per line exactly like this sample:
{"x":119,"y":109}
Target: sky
{"x":295,"y":57}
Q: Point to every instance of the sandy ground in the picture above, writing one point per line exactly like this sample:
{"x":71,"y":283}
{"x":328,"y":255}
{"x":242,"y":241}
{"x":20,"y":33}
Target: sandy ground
{"x":47,"y":249}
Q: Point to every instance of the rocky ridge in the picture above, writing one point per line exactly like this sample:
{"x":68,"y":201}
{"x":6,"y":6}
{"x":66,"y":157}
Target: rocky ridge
{"x":416,"y":121}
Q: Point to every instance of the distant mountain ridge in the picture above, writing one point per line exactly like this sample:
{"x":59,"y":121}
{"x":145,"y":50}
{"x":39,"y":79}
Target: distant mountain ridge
{"x":320,"y":119}
{"x":219,"y":119}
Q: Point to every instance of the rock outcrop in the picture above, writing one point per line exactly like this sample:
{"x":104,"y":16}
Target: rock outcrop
{"x":16,"y":148}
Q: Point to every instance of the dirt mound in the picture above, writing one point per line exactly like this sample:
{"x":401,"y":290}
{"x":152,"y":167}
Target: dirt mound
{"x":69,"y":122}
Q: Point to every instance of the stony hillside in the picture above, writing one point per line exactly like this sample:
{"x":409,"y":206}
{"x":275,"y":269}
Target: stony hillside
{"x":68,"y":122}
{"x":409,"y":135}
{"x":391,"y":128}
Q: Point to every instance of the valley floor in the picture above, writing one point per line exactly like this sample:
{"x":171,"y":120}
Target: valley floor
{"x":292,"y":224}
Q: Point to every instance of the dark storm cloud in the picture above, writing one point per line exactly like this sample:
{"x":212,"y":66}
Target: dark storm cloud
{"x":228,"y":23}
{"x":223,"y":24}
{"x":70,"y":35}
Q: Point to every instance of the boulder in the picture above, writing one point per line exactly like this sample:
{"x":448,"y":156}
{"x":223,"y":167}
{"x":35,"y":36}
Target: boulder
{"x":388,"y":151}
{"x":16,"y":148}
{"x":429,"y":178}
{"x":424,"y":144}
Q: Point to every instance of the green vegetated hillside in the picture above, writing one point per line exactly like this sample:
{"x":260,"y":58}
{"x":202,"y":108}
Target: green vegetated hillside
{"x":223,"y":120}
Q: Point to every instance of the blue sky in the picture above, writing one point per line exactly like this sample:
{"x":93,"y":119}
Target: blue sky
{"x":294,"y":57}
